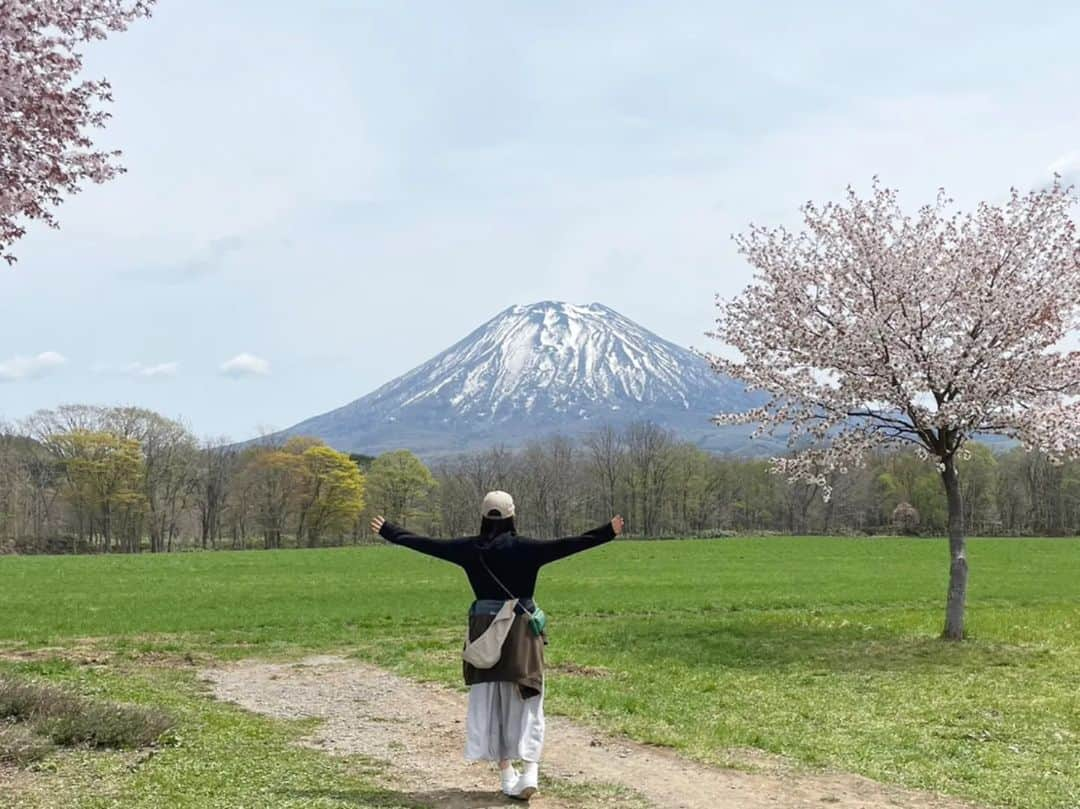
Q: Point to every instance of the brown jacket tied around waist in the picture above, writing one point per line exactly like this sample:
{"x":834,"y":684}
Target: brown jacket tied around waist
{"x":522,"y":659}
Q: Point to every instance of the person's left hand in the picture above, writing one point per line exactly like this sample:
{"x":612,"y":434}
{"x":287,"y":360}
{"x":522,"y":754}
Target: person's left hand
{"x":377,"y":524}
{"x":617,"y":524}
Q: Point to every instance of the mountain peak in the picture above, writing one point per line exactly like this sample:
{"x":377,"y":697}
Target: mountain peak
{"x":533,"y":369}
{"x":564,"y":306}
{"x":555,"y":309}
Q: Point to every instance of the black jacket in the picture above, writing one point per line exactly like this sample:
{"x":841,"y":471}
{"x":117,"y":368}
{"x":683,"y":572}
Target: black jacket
{"x":515,"y":560}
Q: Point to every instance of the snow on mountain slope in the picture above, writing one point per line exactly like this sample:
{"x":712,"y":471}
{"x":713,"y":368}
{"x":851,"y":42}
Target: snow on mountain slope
{"x":529,"y":371}
{"x":554,"y":356}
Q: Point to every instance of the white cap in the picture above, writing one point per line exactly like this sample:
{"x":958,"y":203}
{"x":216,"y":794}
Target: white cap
{"x":499,"y":502}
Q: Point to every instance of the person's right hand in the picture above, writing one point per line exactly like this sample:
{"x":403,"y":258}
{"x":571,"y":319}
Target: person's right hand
{"x":377,"y":524}
{"x":617,"y":524}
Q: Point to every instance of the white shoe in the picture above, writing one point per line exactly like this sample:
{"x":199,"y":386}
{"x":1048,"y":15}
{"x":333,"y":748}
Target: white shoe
{"x":525,"y":787}
{"x":509,"y":778}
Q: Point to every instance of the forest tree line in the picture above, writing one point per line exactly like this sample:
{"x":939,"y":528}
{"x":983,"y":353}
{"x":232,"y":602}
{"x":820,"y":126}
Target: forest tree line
{"x":94,"y":479}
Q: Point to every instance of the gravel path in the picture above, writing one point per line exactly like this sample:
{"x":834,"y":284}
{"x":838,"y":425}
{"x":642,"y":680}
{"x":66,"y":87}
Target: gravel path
{"x":418,"y":728}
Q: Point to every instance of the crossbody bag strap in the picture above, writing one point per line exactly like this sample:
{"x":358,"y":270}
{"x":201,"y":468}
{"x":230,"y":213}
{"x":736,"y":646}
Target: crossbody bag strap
{"x":498,"y":581}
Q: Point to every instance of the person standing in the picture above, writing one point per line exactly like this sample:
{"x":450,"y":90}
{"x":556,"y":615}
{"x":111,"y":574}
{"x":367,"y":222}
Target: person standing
{"x":503,"y":661}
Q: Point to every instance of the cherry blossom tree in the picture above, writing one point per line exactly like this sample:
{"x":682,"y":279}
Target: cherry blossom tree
{"x":872,"y":327}
{"x":45,"y":151}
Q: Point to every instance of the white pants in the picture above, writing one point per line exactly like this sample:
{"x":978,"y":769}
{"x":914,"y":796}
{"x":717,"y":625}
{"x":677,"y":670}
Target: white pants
{"x":500,"y":724}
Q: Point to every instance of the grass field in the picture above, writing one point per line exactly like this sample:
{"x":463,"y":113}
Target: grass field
{"x":820,"y":650}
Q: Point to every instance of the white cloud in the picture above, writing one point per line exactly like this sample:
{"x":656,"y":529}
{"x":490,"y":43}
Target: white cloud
{"x":245,"y":365}
{"x":206,"y":263}
{"x":139,"y":370}
{"x":162,"y":369}
{"x":30,"y":367}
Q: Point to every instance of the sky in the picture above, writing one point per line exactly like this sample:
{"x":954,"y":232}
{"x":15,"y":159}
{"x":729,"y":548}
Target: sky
{"x":322,"y":195}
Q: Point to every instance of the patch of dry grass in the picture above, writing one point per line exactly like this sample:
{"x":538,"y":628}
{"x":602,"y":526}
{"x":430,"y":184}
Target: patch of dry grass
{"x":34,"y":717}
{"x":20,"y":746}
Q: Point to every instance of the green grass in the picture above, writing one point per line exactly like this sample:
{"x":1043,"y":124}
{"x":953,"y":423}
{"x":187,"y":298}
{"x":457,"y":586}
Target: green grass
{"x":220,"y":757}
{"x":822,"y":650}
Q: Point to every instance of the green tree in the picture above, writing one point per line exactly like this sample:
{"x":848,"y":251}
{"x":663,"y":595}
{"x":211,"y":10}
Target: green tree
{"x":978,"y":471}
{"x":398,"y":484}
{"x":332,"y":496}
{"x":105,"y":480}
{"x":274,"y":479}
{"x":170,"y":476}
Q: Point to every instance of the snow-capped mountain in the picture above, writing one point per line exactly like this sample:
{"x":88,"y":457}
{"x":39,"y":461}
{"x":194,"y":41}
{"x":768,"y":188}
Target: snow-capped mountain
{"x":531,"y":371}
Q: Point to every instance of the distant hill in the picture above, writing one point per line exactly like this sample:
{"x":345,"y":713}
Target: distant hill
{"x":535,"y":370}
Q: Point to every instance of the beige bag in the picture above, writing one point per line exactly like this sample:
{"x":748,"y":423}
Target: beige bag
{"x":485,"y":651}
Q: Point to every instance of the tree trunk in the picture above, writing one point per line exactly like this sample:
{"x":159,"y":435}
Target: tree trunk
{"x":958,"y":566}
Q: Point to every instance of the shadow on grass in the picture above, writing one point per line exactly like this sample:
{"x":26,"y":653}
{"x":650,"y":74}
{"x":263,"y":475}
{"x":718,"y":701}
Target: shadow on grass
{"x":390,"y":799}
{"x":758,"y":643}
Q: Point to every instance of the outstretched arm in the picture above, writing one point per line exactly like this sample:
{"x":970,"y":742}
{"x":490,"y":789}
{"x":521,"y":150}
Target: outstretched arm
{"x":452,"y":550}
{"x":550,"y":550}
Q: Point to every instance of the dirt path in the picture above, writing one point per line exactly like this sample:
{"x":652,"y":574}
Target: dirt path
{"x":419,"y":728}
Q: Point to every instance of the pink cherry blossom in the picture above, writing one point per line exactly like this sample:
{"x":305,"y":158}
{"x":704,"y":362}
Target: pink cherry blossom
{"x":874,"y":327}
{"x":45,"y":151}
